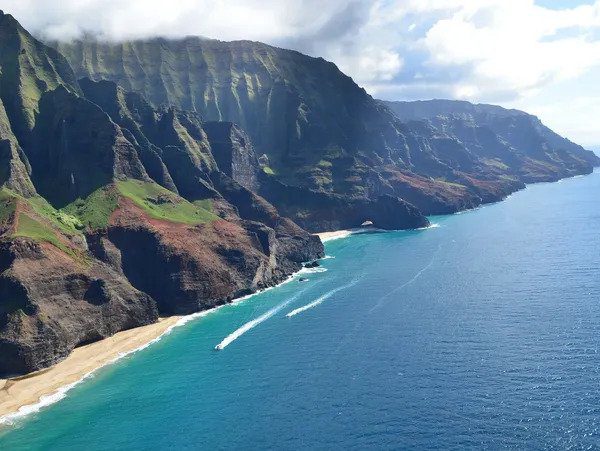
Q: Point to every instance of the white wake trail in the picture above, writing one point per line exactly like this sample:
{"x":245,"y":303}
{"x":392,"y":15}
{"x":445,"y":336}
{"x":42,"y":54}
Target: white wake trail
{"x":380,"y":302}
{"x":255,"y":322}
{"x":320,"y":299}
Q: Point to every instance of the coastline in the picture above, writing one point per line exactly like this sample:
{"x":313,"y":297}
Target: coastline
{"x":336,"y":234}
{"x":27,"y":394}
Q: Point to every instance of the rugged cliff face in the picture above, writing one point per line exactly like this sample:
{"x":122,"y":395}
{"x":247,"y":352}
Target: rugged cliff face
{"x":113,"y":212}
{"x":310,"y":125}
{"x":53,"y":302}
{"x":281,"y":98}
{"x":315,"y":131}
{"x":234,"y":153}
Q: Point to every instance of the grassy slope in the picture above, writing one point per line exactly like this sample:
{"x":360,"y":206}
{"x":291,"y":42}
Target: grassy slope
{"x":94,"y":211}
{"x":42,"y":222}
{"x":157,"y":202}
{"x":160,"y":203}
{"x":7,"y":205}
{"x":31,"y":228}
{"x":39,"y":220}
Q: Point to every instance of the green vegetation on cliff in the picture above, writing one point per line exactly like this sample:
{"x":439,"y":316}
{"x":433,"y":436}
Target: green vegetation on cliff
{"x":7,"y":205}
{"x":160,"y":203}
{"x":37,"y":220}
{"x":30,"y":228}
{"x":28,"y":68}
{"x":61,"y":219}
{"x":40,"y":230}
{"x":94,"y":211}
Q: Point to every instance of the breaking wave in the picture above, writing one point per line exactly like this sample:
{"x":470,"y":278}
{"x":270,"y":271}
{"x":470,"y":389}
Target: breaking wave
{"x":312,"y":270}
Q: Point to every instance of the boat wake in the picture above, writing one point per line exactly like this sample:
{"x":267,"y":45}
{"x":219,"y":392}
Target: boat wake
{"x":382,"y":299}
{"x":255,"y":322}
{"x":320,"y":299}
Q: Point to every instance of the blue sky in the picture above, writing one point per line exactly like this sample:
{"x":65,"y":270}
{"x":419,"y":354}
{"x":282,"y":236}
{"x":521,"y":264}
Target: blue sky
{"x":563,"y":4}
{"x":542,"y":56}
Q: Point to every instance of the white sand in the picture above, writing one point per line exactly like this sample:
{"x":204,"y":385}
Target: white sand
{"x":21,"y":395}
{"x":328,"y":236}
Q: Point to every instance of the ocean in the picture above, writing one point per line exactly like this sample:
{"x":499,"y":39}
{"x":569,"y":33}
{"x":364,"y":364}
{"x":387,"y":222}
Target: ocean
{"x":480,"y":332}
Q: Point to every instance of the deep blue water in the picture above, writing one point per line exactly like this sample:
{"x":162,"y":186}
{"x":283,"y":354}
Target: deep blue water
{"x":482,"y":332}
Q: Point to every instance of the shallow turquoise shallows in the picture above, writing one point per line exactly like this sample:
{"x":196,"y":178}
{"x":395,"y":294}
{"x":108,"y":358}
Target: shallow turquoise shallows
{"x":481,"y":332}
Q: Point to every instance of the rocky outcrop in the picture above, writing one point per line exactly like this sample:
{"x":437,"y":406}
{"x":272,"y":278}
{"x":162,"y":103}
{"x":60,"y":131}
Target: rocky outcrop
{"x":318,"y":211}
{"x":185,"y":268}
{"x":233,"y":153}
{"x":295,"y":244}
{"x":505,"y":141}
{"x":51,"y":303}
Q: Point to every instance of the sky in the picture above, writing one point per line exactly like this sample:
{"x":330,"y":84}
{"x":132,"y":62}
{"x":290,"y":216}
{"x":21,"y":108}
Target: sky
{"x":541,"y":56}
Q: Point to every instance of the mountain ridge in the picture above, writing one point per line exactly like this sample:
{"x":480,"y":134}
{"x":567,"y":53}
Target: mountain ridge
{"x":329,"y":135}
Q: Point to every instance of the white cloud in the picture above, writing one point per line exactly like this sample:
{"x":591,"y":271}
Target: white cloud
{"x":372,"y":65}
{"x":222,"y":19}
{"x":500,"y":47}
{"x":513,"y":46}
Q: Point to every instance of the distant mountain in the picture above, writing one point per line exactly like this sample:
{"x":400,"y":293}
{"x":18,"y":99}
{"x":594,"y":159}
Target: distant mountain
{"x":527,"y":146}
{"x":322,"y":135}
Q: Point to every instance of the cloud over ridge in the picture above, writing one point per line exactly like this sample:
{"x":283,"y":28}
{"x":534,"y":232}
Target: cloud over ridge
{"x":513,"y":52}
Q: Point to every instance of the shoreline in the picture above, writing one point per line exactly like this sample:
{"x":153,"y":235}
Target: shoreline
{"x":336,"y":234}
{"x":23,"y":395}
{"x":26,"y":394}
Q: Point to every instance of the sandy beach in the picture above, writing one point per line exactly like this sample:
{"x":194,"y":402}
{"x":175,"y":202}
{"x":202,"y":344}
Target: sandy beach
{"x":344,"y":233}
{"x":328,"y":236}
{"x":17,"y":395}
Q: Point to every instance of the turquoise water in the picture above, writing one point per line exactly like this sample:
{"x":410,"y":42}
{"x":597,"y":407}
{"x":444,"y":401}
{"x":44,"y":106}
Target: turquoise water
{"x":482,"y":332}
